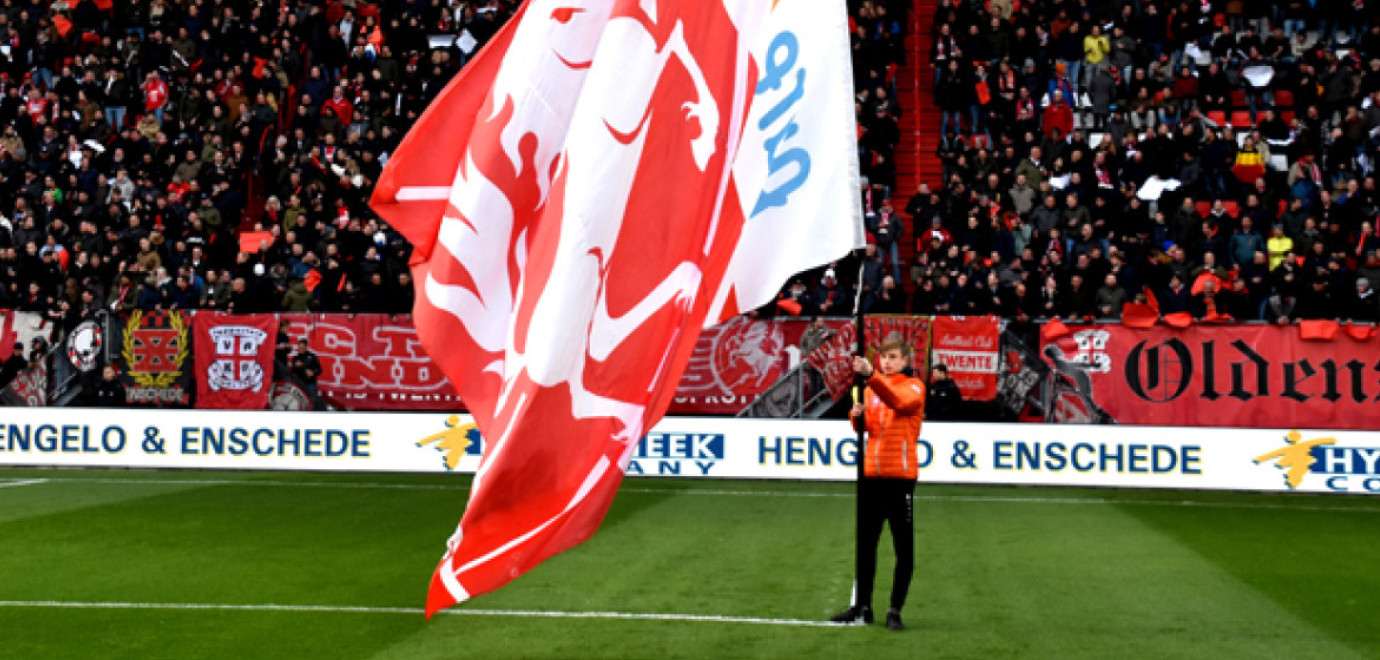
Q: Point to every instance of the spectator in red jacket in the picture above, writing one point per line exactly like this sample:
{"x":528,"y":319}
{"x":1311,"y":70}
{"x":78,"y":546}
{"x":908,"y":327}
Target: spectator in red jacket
{"x":341,"y":106}
{"x":1058,"y":117}
{"x":155,"y":95}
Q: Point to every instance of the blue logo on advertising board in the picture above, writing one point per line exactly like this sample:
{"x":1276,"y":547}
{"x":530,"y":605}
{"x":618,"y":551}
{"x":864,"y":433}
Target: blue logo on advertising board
{"x":691,"y":454}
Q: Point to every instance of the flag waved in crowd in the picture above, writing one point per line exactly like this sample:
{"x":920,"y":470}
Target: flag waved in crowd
{"x":596,"y":187}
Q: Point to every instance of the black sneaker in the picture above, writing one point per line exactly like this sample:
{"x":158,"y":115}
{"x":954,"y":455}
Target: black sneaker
{"x":893,"y":620}
{"x":853,"y":616}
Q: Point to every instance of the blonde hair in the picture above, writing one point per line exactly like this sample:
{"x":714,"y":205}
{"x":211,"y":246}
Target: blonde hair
{"x":894,"y":341}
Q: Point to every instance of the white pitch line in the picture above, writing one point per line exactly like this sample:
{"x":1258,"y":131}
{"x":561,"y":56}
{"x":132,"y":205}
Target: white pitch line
{"x":993,"y":499}
{"x":351,"y":609}
{"x":24,"y":482}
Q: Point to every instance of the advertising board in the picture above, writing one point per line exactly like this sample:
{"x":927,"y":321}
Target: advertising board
{"x":1132,"y":457}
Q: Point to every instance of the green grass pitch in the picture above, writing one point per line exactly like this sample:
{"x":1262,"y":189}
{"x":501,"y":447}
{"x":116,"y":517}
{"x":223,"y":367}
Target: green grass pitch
{"x":1002,"y":572}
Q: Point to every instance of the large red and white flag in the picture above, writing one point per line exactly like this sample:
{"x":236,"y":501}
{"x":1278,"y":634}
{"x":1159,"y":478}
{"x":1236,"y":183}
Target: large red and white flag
{"x":580,"y":200}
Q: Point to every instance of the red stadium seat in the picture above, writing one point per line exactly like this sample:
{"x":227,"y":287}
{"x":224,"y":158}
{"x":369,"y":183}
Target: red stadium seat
{"x":1287,"y":116}
{"x":1233,"y":209}
{"x":1203,"y":208}
{"x":1218,"y":117}
{"x":1284,"y":98}
{"x":1241,"y":119}
{"x":1238,"y":98}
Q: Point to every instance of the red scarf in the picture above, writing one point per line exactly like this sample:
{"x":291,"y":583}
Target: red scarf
{"x":1361,"y":242}
{"x":943,"y":47}
{"x":1025,"y":110}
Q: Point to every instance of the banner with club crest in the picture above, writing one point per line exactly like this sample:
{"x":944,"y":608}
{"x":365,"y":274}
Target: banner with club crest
{"x":152,"y":352}
{"x":234,"y":360}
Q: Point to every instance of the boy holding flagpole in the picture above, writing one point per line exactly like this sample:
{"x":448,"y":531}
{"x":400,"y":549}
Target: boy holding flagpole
{"x":890,"y":413}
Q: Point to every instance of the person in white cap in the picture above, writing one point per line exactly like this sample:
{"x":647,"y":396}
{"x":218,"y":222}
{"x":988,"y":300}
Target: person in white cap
{"x":1363,"y":305}
{"x":829,"y":297}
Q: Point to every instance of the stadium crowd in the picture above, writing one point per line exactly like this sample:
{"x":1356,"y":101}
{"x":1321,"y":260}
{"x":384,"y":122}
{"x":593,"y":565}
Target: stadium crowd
{"x":1214,"y":157}
{"x":219,"y":154}
{"x":213,"y":154}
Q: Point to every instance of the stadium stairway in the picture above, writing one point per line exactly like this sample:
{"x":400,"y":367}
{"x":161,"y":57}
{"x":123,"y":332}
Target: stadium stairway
{"x":915,"y":156}
{"x":925,"y":112}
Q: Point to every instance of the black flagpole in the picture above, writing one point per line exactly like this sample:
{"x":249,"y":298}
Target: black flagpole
{"x":860,"y":391}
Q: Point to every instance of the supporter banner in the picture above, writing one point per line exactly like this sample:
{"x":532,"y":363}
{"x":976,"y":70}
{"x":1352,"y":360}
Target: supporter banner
{"x":234,"y":360}
{"x":1310,"y":461}
{"x":1022,"y":374}
{"x":29,"y":388}
{"x":23,"y":328}
{"x":969,"y":347}
{"x":373,"y":362}
{"x":736,"y":361}
{"x":84,"y":345}
{"x":1261,"y":376}
{"x":833,"y":359}
{"x":289,"y":393}
{"x":151,"y":351}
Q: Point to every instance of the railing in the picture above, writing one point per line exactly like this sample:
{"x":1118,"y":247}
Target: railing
{"x":800,"y":394}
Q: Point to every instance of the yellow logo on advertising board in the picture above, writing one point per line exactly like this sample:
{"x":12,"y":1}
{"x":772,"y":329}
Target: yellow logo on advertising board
{"x":454,"y":442}
{"x":1296,"y":458}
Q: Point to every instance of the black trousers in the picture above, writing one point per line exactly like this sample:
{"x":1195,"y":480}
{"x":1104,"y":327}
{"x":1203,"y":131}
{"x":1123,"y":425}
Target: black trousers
{"x":886,"y":501}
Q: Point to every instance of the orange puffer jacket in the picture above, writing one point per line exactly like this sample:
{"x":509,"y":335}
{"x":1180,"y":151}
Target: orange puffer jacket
{"x":895,"y":408}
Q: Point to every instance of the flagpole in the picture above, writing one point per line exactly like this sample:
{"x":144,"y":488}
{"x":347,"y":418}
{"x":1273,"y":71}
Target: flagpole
{"x":859,"y":395}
